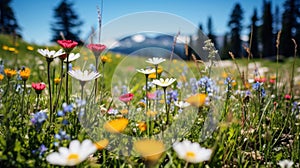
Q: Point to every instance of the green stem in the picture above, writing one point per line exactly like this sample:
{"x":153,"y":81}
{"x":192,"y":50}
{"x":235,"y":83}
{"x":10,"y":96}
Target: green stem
{"x":96,"y":83}
{"x":166,"y":106}
{"x":50,"y":93}
{"x":60,"y":84}
{"x":146,"y":92}
{"x":67,"y":80}
{"x":23,"y":97}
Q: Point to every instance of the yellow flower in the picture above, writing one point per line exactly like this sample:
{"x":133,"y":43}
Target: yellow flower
{"x":102,"y":144}
{"x":151,"y":113}
{"x":57,"y":81}
{"x":142,"y":126}
{"x":12,"y":49}
{"x":142,"y":104}
{"x":116,"y":125}
{"x":25,"y":73}
{"x":10,"y":72}
{"x":104,"y":59}
{"x":124,"y":111}
{"x":30,"y":48}
{"x":1,"y":77}
{"x":224,"y":75}
{"x":197,"y":100}
{"x":152,"y":76}
{"x":150,"y":149}
{"x":5,"y":47}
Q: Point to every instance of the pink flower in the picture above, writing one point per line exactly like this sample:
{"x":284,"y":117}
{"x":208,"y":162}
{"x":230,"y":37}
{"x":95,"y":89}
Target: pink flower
{"x":38,"y":87}
{"x":68,"y":45}
{"x":96,"y":48}
{"x":126,"y":97}
{"x":287,"y":97}
{"x":151,"y":95}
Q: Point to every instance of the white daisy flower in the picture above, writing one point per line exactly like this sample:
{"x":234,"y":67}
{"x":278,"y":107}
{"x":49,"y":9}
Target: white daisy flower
{"x":285,"y":163}
{"x":155,"y":60}
{"x":146,"y":71}
{"x":50,"y":54}
{"x":84,"y":76}
{"x":181,"y":104}
{"x":164,"y":82}
{"x":72,"y":57}
{"x":191,"y":152}
{"x":75,"y":154}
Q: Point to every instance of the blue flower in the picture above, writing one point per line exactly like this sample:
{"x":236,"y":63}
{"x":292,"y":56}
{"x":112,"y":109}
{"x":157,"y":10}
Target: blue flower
{"x":1,"y":67}
{"x":62,"y":135}
{"x":60,"y":113}
{"x":67,"y":108}
{"x":92,"y":67}
{"x":263,"y":92}
{"x":256,"y":86}
{"x":39,"y":118}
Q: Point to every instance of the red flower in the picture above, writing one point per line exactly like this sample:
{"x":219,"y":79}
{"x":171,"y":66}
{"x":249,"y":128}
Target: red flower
{"x":38,"y":87}
{"x":260,"y":80}
{"x":287,"y":97}
{"x":272,"y":81}
{"x":126,"y":97}
{"x":96,"y":48}
{"x":68,"y":45}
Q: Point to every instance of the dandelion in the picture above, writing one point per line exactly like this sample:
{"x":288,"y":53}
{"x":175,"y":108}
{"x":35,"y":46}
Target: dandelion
{"x":75,"y":154}
{"x":191,"y":152}
{"x":57,"y":81}
{"x":100,"y":145}
{"x":116,"y":125}
{"x":10,"y":72}
{"x":150,"y":149}
{"x":285,"y":163}
{"x":197,"y":100}
{"x":25,"y":73}
{"x":29,"y":48}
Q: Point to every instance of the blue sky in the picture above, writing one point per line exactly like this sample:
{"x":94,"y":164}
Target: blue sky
{"x":35,"y":16}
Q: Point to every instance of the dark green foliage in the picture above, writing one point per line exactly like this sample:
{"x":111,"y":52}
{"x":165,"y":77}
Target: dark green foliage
{"x":267,"y":31}
{"x":290,"y":27}
{"x":210,"y":33}
{"x":8,"y":22}
{"x":66,"y":21}
{"x":235,"y":24}
{"x":253,"y":36}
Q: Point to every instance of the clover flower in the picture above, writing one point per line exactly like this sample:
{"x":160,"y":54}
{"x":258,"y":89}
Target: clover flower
{"x":191,"y":152}
{"x":75,"y":154}
{"x":285,"y":163}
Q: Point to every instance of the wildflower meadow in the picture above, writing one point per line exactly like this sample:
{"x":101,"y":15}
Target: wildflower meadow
{"x":84,"y":106}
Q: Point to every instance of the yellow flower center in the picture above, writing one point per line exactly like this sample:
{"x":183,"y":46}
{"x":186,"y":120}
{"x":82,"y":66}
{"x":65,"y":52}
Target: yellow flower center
{"x":73,"y":157}
{"x":190,"y":154}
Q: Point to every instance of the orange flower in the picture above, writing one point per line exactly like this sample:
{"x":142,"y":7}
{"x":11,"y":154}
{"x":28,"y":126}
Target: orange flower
{"x":142,"y":126}
{"x":1,"y":77}
{"x":25,"y":73}
{"x":150,"y":149}
{"x":102,"y":144}
{"x":56,"y":81}
{"x":104,"y":59}
{"x":116,"y":126}
{"x":10,"y":72}
{"x":197,"y":100}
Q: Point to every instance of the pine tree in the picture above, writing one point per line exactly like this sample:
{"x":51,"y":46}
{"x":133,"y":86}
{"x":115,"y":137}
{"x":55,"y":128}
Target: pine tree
{"x":235,"y":24}
{"x":253,"y":36}
{"x":290,"y":27}
{"x":210,"y":33}
{"x":67,"y":22}
{"x":276,"y":20}
{"x":268,"y":42}
{"x":8,"y":22}
{"x":225,"y":48}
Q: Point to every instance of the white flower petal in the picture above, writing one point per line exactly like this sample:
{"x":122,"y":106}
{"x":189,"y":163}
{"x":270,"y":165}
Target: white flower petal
{"x":56,"y":159}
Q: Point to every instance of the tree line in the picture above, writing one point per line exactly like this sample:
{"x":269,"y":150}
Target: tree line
{"x":262,"y":37}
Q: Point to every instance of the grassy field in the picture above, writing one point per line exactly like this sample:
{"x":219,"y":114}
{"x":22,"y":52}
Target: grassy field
{"x":242,"y":114}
